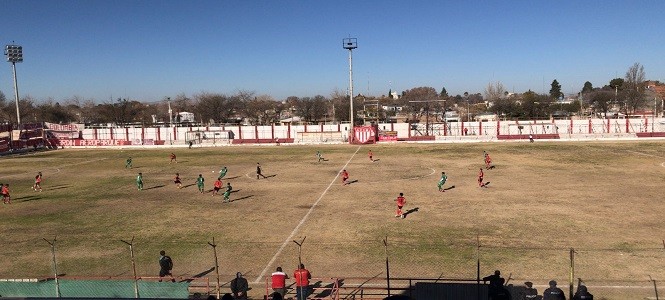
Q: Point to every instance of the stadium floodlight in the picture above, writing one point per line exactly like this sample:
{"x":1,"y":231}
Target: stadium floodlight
{"x":350,"y":44}
{"x":14,"y":54}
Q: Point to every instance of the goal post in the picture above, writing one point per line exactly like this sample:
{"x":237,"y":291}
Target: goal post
{"x":209,"y":137}
{"x":319,"y":137}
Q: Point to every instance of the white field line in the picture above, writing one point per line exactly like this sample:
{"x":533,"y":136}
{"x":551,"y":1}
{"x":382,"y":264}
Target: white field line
{"x":645,"y":154}
{"x":57,"y":169}
{"x":302,"y":221}
{"x":650,"y":155}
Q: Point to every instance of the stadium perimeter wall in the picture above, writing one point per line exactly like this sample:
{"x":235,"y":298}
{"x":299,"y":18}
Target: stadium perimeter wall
{"x":587,"y":129}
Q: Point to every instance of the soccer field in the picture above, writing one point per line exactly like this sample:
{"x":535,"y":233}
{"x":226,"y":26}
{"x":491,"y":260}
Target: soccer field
{"x":602,"y":199}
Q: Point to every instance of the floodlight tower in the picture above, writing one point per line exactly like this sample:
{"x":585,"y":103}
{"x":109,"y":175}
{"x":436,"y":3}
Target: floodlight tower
{"x":14,"y":54}
{"x":350,"y":44}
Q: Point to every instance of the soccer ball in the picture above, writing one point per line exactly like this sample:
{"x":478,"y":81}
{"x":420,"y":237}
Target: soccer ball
{"x":213,"y":171}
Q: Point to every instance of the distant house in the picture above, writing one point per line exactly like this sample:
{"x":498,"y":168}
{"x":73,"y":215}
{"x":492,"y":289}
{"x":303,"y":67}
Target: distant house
{"x":290,"y":120}
{"x":185,"y":117}
{"x":486,"y":117}
{"x":394,"y":108}
{"x":452,"y":116}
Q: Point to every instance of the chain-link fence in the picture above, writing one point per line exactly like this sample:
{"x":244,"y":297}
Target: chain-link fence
{"x":622,"y":272}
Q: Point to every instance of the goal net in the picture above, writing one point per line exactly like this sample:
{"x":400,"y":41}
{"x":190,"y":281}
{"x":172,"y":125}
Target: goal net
{"x":319,"y":137}
{"x":209,"y":137}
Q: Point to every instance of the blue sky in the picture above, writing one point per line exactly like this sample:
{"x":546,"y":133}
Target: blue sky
{"x":149,"y":50}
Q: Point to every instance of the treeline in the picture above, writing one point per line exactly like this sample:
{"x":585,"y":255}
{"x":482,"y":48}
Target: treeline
{"x":626,"y":95}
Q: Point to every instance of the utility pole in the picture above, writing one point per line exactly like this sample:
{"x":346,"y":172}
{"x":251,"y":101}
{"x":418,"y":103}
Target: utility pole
{"x":350,"y":44}
{"x":14,"y":54}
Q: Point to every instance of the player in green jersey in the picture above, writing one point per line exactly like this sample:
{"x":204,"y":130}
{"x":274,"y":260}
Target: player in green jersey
{"x":222,"y":172}
{"x":442,"y":181}
{"x":227,"y":193}
{"x":139,"y":181}
{"x":199,"y":183}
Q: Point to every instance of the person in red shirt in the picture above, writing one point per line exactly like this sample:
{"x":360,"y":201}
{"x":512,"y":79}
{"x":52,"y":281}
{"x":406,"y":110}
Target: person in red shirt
{"x":6,"y":199}
{"x":38,"y":182}
{"x":480,"y":178}
{"x":217,"y":187}
{"x":370,"y":156}
{"x":279,"y":281}
{"x":177,"y":181}
{"x":172,"y":156}
{"x":345,"y":177}
{"x":302,"y":277}
{"x":400,"y":203}
{"x":488,"y":162}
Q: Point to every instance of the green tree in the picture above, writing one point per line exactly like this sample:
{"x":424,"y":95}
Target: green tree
{"x":616,"y":84}
{"x":555,"y":91}
{"x":444,"y":93}
{"x":588,"y":87}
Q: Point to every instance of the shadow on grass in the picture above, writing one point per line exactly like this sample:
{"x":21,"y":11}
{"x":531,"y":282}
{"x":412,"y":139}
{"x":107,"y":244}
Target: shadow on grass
{"x":27,"y":198}
{"x":352,"y":181}
{"x":375,"y":160}
{"x":59,"y":187}
{"x":199,"y":275}
{"x":449,"y":188}
{"x":154,"y":187}
{"x":327,"y":288}
{"x":234,"y":177}
{"x":242,"y":198}
{"x":188,"y":185}
{"x":410,"y":211}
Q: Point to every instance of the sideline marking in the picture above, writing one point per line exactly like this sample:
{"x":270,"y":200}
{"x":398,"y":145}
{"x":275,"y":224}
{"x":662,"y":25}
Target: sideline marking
{"x":302,"y":221}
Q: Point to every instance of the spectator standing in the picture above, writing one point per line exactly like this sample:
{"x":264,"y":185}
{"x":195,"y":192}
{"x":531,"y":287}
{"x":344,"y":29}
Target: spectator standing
{"x":165,"y":266}
{"x":495,"y":283}
{"x":553,"y":292}
{"x":279,"y":281}
{"x":302,"y":277}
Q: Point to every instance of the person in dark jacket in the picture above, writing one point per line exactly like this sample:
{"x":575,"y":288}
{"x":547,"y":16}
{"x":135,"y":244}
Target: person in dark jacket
{"x":582,"y":294}
{"x":239,"y":287}
{"x":553,"y":292}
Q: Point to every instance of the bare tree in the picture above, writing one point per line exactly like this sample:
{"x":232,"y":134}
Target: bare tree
{"x":634,"y":92}
{"x":494,"y":91}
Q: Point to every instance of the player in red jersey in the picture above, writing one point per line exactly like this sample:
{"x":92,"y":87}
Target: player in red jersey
{"x":345,"y":177}
{"x":400,"y":203}
{"x":177,"y":181}
{"x":488,"y":161}
{"x":6,"y":199}
{"x":370,"y":154}
{"x":216,"y":187}
{"x":172,"y":157}
{"x":38,"y":182}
